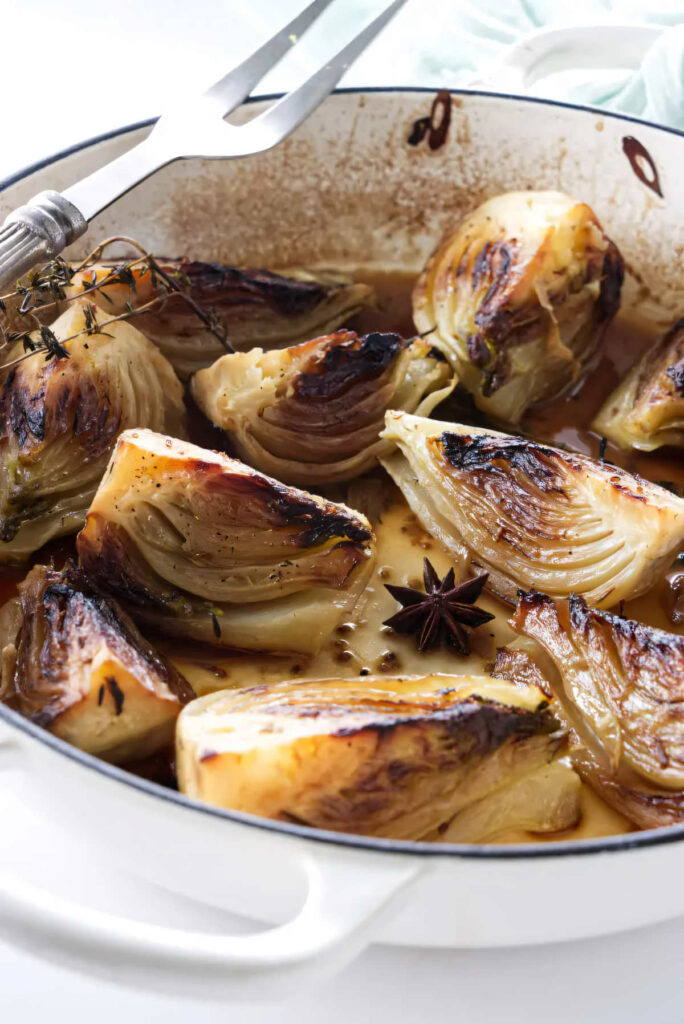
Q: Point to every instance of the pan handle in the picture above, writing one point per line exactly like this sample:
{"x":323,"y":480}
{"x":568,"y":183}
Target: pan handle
{"x":346,"y":891}
{"x":557,"y":49}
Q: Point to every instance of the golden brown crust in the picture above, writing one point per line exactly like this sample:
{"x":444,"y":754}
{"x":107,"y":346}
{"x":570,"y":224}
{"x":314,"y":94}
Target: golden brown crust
{"x":312,"y":414}
{"x":519,"y":668}
{"x":64,"y":616}
{"x":394,"y":757}
{"x":517,"y":296}
{"x":37,"y":403}
{"x":237,"y":498}
{"x":487,"y":723}
{"x":534,"y":516}
{"x":646,"y":807}
{"x":257,"y":307}
{"x":222,"y":288}
{"x":338,"y":362}
{"x":621,"y":685}
{"x":59,"y":420}
{"x":646,"y":410}
{"x":219,"y":552}
{"x":74,"y":663}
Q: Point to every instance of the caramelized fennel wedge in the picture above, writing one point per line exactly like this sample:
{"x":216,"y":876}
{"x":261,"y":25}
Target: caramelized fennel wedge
{"x":395,"y":757}
{"x":646,"y":410}
{"x":544,"y":801}
{"x":534,"y":516}
{"x":517,"y":297}
{"x":74,"y":663}
{"x":628,"y":795}
{"x":59,"y":420}
{"x":200,"y":545}
{"x":621,"y":686}
{"x":518,"y":667}
{"x":256,"y":307}
{"x":312,"y":414}
{"x":646,"y":806}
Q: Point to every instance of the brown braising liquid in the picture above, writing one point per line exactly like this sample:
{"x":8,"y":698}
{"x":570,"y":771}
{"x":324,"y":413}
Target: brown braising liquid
{"x":566,"y":420}
{"x":363,"y":646}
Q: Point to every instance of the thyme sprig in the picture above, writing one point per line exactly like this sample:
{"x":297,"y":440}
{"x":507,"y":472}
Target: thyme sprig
{"x":46,"y":286}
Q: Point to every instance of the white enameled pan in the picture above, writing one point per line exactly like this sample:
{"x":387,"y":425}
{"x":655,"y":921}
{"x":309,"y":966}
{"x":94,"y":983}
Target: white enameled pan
{"x":372,"y":178}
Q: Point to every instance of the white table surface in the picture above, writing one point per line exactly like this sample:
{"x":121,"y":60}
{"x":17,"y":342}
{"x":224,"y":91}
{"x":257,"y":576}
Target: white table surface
{"x":617,"y":980}
{"x":57,"y":93}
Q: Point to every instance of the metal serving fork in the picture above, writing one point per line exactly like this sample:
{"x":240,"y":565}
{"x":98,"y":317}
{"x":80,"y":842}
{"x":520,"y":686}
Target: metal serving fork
{"x":52,"y":220}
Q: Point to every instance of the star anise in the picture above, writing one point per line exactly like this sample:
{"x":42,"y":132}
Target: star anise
{"x":442,"y":613}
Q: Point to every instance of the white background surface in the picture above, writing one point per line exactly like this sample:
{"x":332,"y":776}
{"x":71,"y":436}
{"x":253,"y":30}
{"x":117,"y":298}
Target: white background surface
{"x":618,"y":980}
{"x":70,"y":72}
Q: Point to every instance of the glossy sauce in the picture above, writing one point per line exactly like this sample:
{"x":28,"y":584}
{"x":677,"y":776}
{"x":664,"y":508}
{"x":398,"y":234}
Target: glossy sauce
{"x":566,"y":420}
{"x":363,"y":645}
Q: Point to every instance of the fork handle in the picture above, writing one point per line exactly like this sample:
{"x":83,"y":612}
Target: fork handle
{"x":37,"y":231}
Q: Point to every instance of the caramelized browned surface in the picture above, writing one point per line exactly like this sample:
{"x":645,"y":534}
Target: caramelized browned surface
{"x":646,"y":410}
{"x":311,"y":414}
{"x":74,"y":663}
{"x":567,"y":420}
{"x":361,"y":646}
{"x":621,"y":686}
{"x":214,"y":507}
{"x":388,"y":756}
{"x":256,"y":307}
{"x":61,"y":613}
{"x":59,"y":420}
{"x":534,"y":516}
{"x":518,"y":667}
{"x":204,"y":547}
{"x":517,"y":296}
